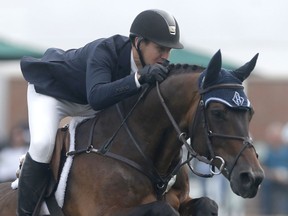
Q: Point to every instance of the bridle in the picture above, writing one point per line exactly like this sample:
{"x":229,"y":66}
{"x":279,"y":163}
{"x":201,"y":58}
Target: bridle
{"x":247,"y":141}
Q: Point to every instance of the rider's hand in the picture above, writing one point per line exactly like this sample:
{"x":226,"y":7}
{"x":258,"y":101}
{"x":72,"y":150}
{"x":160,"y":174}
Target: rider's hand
{"x":152,"y":73}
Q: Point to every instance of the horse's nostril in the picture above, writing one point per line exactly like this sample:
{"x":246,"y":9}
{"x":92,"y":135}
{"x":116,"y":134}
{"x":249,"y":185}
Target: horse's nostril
{"x":246,"y":178}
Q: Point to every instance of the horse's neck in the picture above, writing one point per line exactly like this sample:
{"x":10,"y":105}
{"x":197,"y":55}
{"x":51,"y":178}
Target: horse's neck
{"x":152,"y":126}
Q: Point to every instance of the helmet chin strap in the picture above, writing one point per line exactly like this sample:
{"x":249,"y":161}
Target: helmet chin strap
{"x":140,"y":39}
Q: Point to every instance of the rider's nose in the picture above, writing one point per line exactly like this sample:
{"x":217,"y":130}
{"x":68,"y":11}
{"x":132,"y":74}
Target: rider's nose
{"x":165,"y":55}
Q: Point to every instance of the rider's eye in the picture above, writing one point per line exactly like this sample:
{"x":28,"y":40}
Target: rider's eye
{"x":162,"y":49}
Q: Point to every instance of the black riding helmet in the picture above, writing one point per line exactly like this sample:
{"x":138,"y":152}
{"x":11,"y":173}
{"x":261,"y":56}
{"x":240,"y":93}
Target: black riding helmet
{"x":157,"y":26}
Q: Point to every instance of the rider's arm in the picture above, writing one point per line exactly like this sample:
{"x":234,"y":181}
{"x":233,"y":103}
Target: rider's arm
{"x":102,"y":91}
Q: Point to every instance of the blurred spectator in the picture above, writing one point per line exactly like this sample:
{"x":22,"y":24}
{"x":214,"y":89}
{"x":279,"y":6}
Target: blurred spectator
{"x":218,"y":189}
{"x":274,"y":190}
{"x":16,"y":146}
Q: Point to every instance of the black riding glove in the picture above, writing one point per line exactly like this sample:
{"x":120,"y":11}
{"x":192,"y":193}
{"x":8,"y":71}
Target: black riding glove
{"x":152,"y":73}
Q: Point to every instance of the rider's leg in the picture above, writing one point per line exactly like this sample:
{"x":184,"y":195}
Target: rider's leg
{"x":44,"y":118}
{"x":45,"y":114}
{"x":32,"y":184}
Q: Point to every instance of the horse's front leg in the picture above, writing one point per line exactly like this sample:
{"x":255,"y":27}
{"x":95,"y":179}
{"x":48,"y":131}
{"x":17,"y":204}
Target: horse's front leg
{"x":202,"y":206}
{"x":178,"y":197}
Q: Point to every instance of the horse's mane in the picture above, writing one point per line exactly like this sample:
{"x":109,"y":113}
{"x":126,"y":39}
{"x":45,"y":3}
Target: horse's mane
{"x":184,"y":68}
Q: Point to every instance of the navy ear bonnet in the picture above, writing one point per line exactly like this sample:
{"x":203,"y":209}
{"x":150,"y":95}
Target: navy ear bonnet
{"x":232,"y":97}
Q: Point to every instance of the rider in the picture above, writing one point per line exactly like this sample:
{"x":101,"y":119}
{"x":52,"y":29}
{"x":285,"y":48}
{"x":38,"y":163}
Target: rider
{"x":80,"y":82}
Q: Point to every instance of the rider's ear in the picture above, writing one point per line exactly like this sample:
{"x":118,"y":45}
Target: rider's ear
{"x":138,"y":40}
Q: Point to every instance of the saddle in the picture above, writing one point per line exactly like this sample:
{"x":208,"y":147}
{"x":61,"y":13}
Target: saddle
{"x":58,"y":159}
{"x":57,"y":162}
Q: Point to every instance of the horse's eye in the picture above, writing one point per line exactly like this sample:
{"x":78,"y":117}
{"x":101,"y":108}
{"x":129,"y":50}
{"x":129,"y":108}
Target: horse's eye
{"x":219,"y":114}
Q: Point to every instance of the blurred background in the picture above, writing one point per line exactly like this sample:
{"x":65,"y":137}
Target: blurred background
{"x":239,"y":28}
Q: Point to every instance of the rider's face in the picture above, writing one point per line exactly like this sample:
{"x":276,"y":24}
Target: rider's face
{"x":153,"y":53}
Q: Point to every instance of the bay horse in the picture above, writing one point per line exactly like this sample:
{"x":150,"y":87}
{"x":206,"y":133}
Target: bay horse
{"x":126,"y":155}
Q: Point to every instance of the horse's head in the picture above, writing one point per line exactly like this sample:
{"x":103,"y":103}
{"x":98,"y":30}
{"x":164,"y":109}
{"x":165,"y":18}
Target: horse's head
{"x":213,"y":108}
{"x":223,"y":118}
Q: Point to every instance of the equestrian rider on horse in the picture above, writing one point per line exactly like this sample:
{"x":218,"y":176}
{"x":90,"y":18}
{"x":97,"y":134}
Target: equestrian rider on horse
{"x":80,"y":82}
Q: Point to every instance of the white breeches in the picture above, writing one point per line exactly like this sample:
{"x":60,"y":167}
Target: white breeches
{"x":45,"y":114}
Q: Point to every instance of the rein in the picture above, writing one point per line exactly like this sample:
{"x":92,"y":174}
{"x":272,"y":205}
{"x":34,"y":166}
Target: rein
{"x":182,"y":137}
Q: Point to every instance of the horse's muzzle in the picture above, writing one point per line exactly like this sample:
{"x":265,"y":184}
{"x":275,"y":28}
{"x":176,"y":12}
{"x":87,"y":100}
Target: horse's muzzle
{"x":247,"y":183}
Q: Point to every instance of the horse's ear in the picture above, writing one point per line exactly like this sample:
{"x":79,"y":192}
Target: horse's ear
{"x":244,"y":71}
{"x":213,"y":69}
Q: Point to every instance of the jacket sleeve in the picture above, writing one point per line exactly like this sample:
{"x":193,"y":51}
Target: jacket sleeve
{"x":102,"y":91}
